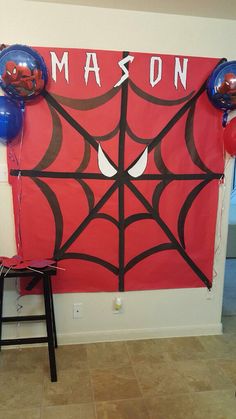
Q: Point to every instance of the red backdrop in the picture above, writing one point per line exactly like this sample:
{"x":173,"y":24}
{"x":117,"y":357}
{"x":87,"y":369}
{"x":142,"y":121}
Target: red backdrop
{"x":120,"y":233}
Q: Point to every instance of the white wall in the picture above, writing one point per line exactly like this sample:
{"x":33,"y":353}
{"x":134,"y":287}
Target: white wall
{"x":149,"y":313}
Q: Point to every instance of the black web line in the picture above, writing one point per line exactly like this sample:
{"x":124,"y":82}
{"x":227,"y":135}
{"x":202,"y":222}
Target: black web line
{"x":156,"y":100}
{"x":185,"y":209}
{"x":121,"y":160}
{"x":153,"y":250}
{"x":78,"y":175}
{"x":91,"y":258}
{"x":55,"y":142}
{"x":56,"y":211}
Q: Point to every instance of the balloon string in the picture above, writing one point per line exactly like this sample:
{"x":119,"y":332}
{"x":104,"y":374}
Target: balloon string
{"x":220,"y":223}
{"x":18,"y":226}
{"x":19,"y":193}
{"x":19,"y":307}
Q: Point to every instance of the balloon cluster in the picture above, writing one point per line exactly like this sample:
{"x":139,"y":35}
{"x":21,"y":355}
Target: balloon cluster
{"x":221,"y":90}
{"x":23,"y":76}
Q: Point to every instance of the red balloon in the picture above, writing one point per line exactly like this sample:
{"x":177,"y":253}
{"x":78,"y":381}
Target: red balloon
{"x":229,"y":137}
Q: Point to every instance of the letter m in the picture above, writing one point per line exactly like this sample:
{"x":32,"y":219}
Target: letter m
{"x":56,"y":64}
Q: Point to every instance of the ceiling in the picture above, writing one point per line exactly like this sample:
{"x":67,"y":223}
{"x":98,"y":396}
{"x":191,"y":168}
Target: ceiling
{"x":225,"y":9}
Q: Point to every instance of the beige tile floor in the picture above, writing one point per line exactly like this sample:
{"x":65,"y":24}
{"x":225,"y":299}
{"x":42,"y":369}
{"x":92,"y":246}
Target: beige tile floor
{"x":176,"y":378}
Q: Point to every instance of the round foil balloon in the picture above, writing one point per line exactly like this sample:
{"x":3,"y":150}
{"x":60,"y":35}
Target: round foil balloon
{"x":229,"y":137}
{"x":11,"y":119}
{"x":221,"y":87}
{"x":23,"y":73}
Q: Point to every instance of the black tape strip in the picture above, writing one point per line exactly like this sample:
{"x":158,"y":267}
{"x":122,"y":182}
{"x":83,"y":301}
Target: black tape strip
{"x":123,"y":117}
{"x":156,"y":100}
{"x":184,"y":176}
{"x":159,"y":162}
{"x":159,"y":189}
{"x":76,"y":175}
{"x":87,"y":104}
{"x":55,"y":207}
{"x":121,"y":237}
{"x":90,"y":258}
{"x":109,"y":135}
{"x":88,"y":193}
{"x":86,"y":221}
{"x":135,"y":138}
{"x":55,"y":142}
{"x":121,"y":159}
{"x":59,"y":175}
{"x":186,"y":207}
{"x":147,"y":253}
{"x":137,"y":217}
{"x":86,"y":157}
{"x":107,"y":217}
{"x":170,"y":235}
{"x":190,"y":143}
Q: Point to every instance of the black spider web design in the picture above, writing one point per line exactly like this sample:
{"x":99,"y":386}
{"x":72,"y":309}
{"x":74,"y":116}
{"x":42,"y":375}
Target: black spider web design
{"x":121,"y":179}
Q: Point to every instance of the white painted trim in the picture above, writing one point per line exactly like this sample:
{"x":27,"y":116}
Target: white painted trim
{"x":130,"y":334}
{"x":138,"y":334}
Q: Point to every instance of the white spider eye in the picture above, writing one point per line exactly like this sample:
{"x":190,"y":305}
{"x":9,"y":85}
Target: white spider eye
{"x":138,"y":168}
{"x":8,"y":72}
{"x":104,"y":165}
{"x":14,"y":70}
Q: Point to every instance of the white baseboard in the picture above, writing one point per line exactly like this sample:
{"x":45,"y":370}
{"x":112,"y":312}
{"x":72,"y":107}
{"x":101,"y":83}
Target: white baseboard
{"x":137,"y":334}
{"x":129,"y":334}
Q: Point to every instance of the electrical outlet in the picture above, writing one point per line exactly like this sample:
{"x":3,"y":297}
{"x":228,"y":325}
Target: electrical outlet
{"x":78,"y":311}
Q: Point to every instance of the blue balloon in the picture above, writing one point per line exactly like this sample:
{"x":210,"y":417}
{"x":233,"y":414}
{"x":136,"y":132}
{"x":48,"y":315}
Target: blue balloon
{"x":221,"y":86}
{"x":11,"y":119}
{"x":23,"y":72}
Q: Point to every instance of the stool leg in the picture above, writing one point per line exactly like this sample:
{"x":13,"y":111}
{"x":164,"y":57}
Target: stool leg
{"x":1,"y":305}
{"x":49,"y":324}
{"x":53,"y":313}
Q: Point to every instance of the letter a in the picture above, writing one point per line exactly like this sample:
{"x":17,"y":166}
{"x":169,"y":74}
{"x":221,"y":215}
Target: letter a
{"x":92,"y":56}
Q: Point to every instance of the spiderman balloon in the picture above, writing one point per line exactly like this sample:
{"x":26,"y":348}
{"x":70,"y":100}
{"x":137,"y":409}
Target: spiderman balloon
{"x":221,"y":86}
{"x":23,"y":73}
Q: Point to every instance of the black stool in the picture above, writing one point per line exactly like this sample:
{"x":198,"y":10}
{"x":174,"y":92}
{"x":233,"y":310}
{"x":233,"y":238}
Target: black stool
{"x":51,"y":338}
